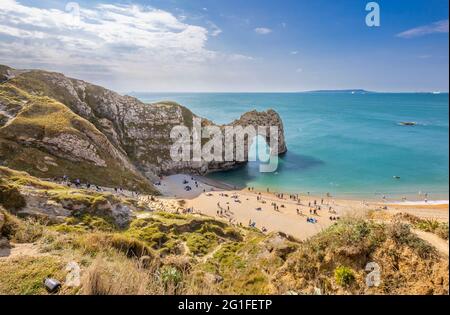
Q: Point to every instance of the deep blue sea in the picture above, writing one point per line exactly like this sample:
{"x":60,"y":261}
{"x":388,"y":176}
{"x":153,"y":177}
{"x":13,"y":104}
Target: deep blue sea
{"x":342,"y":143}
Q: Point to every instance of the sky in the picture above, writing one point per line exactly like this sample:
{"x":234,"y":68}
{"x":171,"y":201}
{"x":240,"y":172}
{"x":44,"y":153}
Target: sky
{"x":232,"y":45}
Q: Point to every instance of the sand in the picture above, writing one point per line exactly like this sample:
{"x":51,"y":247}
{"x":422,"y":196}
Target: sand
{"x":221,"y":201}
{"x":173,"y":187}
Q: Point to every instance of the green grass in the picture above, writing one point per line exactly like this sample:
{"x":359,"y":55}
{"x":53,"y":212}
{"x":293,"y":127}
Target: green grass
{"x":42,"y":117}
{"x":202,"y":243}
{"x":84,"y":223}
{"x":19,"y":179}
{"x":76,"y":196}
{"x":25,"y":275}
{"x":251,"y":264}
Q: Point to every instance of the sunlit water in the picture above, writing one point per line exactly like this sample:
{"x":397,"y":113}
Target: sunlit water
{"x":345,"y":144}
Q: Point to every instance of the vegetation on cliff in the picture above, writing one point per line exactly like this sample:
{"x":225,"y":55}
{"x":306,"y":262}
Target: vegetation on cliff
{"x":168,"y":253}
{"x":51,"y":125}
{"x":45,"y":138}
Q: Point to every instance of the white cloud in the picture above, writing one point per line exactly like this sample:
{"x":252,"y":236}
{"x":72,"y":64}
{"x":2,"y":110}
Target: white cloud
{"x":436,"y":27}
{"x":106,"y":26}
{"x":120,"y":46}
{"x":294,"y":52}
{"x":299,"y":70}
{"x":263,"y":30}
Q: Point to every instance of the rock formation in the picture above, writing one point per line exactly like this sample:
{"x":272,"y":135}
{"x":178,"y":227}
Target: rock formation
{"x":52,"y":125}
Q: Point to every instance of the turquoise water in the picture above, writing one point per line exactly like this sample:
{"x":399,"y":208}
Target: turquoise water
{"x":342,"y":143}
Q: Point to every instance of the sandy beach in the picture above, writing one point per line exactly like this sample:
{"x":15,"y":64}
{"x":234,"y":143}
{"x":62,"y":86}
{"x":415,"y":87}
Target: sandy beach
{"x":300,"y":216}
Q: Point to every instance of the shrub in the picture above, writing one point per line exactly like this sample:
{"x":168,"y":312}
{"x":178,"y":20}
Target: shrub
{"x":402,"y":235}
{"x":92,"y":222}
{"x":131,"y":247}
{"x":171,"y":278}
{"x":99,"y":242}
{"x":442,"y":231}
{"x":21,"y":231}
{"x":433,"y":226}
{"x":11,"y":198}
{"x":344,"y":276}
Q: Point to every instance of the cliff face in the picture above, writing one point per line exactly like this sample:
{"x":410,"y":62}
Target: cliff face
{"x":51,"y":125}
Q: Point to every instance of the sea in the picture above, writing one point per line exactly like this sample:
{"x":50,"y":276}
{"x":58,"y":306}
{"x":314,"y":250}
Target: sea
{"x":346,"y":144}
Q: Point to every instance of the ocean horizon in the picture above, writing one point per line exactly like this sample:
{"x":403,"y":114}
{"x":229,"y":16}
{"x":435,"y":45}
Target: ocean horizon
{"x":344,"y":144}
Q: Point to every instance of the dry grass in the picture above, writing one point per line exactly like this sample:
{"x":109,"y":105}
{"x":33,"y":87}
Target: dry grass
{"x":21,"y":231}
{"x":117,"y":263}
{"x":118,"y":277}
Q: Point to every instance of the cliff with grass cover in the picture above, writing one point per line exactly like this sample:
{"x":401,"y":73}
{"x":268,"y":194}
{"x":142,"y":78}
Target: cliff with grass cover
{"x":52,"y":125}
{"x":123,"y":246}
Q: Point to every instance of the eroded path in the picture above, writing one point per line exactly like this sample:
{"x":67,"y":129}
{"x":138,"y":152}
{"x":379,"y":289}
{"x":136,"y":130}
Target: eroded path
{"x":440,"y":244}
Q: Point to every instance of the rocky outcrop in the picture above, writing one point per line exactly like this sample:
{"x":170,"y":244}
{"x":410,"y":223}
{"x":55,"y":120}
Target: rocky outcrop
{"x":124,"y":130}
{"x":265,"y":119}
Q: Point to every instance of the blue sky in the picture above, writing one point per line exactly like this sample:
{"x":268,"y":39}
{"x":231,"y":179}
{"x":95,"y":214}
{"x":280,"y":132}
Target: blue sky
{"x":231,"y":45}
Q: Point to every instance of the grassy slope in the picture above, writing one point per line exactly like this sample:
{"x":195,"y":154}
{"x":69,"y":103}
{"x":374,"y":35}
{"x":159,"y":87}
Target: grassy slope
{"x":223,"y":259}
{"x":41,"y":116}
{"x":87,"y":207}
{"x":172,"y":253}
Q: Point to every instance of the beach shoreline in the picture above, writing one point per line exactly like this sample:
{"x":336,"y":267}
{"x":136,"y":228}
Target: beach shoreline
{"x":301,"y":216}
{"x":391,"y":198}
{"x":394,"y":198}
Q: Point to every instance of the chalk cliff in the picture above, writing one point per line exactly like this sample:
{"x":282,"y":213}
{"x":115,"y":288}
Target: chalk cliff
{"x":52,"y":125}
